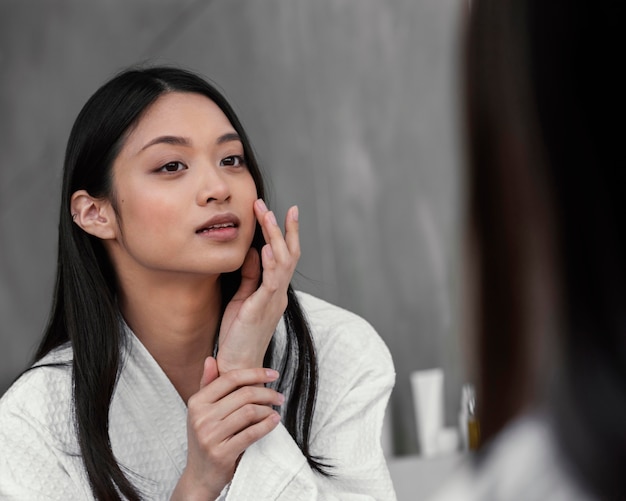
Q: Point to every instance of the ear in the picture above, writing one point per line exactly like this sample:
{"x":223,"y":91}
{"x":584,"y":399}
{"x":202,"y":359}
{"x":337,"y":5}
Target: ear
{"x":94,"y":215}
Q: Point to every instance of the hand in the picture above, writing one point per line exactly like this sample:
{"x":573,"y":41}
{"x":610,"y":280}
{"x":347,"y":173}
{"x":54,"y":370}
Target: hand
{"x":225,"y":416}
{"x":251,"y":317}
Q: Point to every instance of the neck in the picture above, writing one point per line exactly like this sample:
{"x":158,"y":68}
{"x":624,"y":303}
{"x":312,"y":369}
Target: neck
{"x":176,"y":321}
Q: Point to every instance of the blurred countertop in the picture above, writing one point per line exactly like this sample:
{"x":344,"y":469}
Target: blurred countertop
{"x":415,"y":477}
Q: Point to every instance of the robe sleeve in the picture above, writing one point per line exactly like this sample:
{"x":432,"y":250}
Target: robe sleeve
{"x":355,"y":381}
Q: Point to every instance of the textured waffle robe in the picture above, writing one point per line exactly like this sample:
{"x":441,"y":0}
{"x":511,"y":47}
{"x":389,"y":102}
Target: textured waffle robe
{"x":39,"y":455}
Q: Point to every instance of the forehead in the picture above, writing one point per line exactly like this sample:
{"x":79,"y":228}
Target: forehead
{"x":179,"y":114}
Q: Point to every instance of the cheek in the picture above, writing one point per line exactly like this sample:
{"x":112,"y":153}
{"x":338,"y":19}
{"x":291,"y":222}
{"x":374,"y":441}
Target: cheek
{"x":146,"y":213}
{"x":248,"y":187}
{"x":249,"y":195}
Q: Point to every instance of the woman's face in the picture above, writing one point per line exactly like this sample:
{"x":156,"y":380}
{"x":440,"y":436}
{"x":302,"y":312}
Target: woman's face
{"x":184,"y":194}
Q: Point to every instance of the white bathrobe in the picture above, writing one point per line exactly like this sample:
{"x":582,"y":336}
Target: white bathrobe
{"x":39,"y":455}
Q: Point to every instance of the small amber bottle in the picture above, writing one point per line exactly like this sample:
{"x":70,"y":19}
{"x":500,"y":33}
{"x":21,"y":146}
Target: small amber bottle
{"x":473,"y":432}
{"x":470,"y":428}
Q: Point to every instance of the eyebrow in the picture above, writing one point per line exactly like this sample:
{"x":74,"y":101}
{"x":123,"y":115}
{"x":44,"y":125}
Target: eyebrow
{"x":183,"y":141}
{"x":228,"y":137}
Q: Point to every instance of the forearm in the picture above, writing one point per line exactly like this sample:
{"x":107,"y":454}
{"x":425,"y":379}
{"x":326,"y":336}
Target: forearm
{"x":274,"y":468}
{"x":188,"y":490}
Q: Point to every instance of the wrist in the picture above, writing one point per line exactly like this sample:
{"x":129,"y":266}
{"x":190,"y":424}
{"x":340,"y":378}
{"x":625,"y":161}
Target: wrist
{"x":225,"y":365}
{"x":189,"y":490}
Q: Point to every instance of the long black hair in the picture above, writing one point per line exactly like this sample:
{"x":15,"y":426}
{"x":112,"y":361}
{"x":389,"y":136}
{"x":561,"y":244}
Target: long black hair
{"x":84,"y":310}
{"x":546,"y":163}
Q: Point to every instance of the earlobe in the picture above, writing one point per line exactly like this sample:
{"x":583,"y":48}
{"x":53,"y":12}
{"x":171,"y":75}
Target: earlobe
{"x":93,"y":215}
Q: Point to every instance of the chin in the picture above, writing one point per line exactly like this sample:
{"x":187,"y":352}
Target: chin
{"x":231,"y":269}
{"x":233,"y":264}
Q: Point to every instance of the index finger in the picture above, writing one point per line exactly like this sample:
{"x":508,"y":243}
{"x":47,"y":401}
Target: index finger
{"x":230,"y":381}
{"x":292,"y":231}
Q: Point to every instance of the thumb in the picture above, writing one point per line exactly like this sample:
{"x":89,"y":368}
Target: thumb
{"x":250,"y":273}
{"x":210,"y":373}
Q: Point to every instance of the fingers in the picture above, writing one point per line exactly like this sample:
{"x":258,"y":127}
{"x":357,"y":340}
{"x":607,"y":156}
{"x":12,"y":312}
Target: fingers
{"x":292,"y":231}
{"x":264,"y":217}
{"x":251,"y":433}
{"x":224,"y":418}
{"x":241,"y":409}
{"x":231,"y":381}
{"x":250,"y":268}
{"x":232,"y":414}
{"x":250,"y":272}
{"x":279,"y":251}
{"x":210,"y":372}
{"x":248,"y":395}
{"x":225,"y":440}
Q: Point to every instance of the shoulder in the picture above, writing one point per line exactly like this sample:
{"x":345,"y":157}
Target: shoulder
{"x":323,"y":314}
{"x":530,"y":440}
{"x":524,"y":454}
{"x":40,"y":455}
{"x":343,"y":338}
{"x":332,"y":324}
{"x":40,"y":399}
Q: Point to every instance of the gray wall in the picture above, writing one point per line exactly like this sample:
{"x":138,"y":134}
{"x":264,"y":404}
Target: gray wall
{"x":351,"y":106}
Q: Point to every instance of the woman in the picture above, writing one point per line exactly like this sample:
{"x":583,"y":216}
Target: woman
{"x":548,"y":247}
{"x":178,"y":362}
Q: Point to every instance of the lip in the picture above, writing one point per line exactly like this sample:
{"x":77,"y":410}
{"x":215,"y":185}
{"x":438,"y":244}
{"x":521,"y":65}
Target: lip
{"x":220,"y":227}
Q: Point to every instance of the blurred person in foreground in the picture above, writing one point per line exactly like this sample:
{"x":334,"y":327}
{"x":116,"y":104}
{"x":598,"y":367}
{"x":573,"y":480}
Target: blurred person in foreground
{"x":546,"y":251}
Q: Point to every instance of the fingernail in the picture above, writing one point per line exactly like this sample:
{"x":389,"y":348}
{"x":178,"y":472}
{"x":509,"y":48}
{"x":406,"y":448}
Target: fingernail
{"x":272,"y":218}
{"x":294,"y":213}
{"x":281,"y":399}
{"x":261,"y":205}
{"x":271,"y":373}
{"x":267,"y":249}
{"x":275,"y":417}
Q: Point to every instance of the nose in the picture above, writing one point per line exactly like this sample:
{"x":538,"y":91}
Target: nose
{"x":213,"y":187}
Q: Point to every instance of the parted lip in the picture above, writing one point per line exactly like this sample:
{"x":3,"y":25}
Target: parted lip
{"x":219,"y":220}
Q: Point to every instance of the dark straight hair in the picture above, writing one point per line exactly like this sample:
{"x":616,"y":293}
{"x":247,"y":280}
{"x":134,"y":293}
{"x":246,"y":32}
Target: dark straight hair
{"x":547,"y":207}
{"x":84,"y":310}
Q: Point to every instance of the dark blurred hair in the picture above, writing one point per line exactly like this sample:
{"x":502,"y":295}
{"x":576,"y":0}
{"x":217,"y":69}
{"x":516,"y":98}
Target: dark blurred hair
{"x":84,"y":309}
{"x":548,"y":222}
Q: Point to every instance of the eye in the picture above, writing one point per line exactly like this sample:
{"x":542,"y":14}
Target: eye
{"x":233,"y":161}
{"x":172,"y":167}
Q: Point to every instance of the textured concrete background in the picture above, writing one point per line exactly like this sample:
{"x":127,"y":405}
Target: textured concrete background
{"x":351,"y":106}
